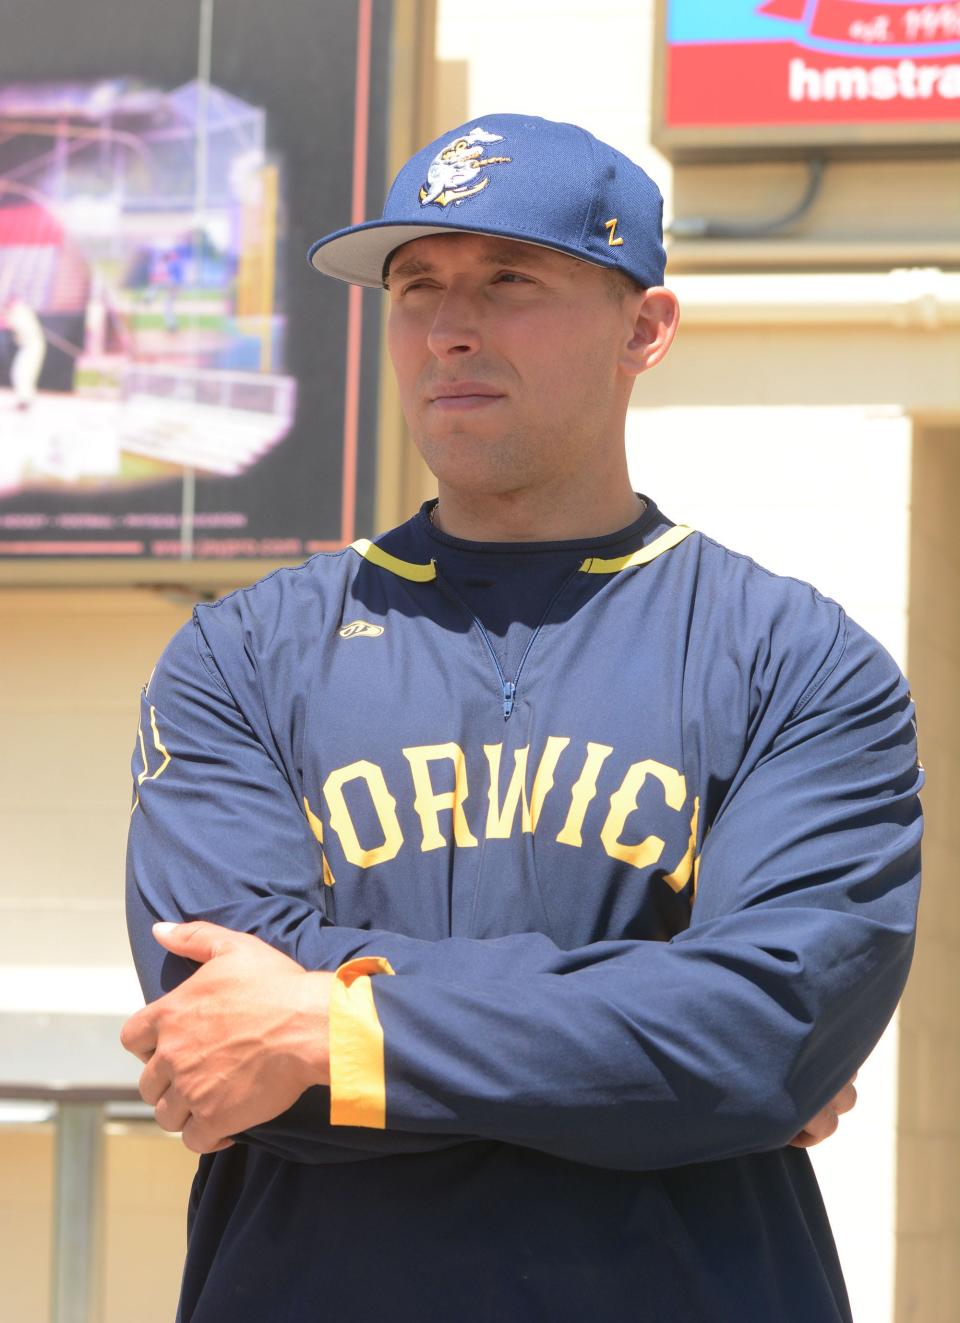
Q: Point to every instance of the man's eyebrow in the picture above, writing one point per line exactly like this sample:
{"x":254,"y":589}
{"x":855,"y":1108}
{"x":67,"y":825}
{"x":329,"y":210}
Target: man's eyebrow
{"x":499,"y":255}
{"x":413,"y":266}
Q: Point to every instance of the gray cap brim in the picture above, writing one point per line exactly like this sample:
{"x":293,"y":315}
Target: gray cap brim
{"x":358,"y":254}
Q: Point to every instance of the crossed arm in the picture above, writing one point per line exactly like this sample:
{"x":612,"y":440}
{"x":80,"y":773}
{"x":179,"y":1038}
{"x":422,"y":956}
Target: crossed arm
{"x":735,"y":1037}
{"x":239,"y":1041}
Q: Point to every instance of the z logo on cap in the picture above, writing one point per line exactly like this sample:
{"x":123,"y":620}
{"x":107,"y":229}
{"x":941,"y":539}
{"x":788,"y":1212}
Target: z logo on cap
{"x":453,"y":172}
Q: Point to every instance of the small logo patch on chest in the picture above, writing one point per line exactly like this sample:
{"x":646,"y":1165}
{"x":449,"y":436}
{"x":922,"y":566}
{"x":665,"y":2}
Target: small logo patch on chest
{"x":360,"y":629}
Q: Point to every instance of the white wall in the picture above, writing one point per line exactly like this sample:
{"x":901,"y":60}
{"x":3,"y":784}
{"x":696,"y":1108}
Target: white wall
{"x":821,"y":494}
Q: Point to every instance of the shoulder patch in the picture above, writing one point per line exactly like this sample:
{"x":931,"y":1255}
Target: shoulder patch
{"x":360,"y":629}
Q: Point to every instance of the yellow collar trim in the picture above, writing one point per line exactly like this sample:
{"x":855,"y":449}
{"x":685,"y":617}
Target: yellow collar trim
{"x":419,"y":573}
{"x":666,"y":541}
{"x":406,"y":569}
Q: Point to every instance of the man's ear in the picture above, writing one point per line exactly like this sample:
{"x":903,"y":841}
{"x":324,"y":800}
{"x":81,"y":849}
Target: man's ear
{"x":655,"y":315}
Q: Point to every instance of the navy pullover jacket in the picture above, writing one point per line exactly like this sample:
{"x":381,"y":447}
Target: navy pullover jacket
{"x":617,"y":900}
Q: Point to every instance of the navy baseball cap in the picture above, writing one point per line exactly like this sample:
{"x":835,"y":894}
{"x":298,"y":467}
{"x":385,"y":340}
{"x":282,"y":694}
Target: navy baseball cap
{"x":521,"y":177}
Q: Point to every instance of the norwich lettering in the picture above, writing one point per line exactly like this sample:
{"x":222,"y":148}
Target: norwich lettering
{"x":316,"y":826}
{"x":583,"y":792}
{"x":680,"y":876}
{"x":515,"y":804}
{"x":429,"y":802}
{"x":623,"y":803}
{"x":385,"y":807}
{"x":500,"y":818}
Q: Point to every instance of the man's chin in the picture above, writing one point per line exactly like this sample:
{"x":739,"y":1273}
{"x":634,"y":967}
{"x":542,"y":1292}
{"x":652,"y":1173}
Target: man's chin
{"x":451,"y":428}
{"x":484,"y":459}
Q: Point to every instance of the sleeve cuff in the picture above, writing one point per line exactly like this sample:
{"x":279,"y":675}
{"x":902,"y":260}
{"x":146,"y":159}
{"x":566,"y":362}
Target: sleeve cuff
{"x":358,"y":1083}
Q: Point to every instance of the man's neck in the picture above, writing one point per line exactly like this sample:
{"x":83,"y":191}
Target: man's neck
{"x":515,"y":518}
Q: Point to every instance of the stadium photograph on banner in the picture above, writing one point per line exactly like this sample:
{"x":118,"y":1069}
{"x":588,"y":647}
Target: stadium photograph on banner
{"x":141,"y":316}
{"x":171,"y":387}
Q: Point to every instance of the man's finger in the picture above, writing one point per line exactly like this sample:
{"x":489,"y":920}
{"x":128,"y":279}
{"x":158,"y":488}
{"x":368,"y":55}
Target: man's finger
{"x":139,"y":1035}
{"x":806,"y":1140}
{"x":823,"y":1125}
{"x":846,"y":1099}
{"x":154,"y":1082}
{"x":199,"y":941}
{"x":172,"y":1112}
{"x":199,"y":1140}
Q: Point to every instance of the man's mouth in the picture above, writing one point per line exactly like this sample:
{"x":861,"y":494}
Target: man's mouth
{"x":461,"y":395}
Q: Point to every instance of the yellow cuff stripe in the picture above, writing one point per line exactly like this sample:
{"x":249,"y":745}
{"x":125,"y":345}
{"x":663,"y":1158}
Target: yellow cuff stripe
{"x":406,"y":569}
{"x":668,"y":540}
{"x":358,"y":1082}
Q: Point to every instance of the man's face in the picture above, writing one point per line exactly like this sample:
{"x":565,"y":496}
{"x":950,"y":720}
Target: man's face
{"x":508,"y":359}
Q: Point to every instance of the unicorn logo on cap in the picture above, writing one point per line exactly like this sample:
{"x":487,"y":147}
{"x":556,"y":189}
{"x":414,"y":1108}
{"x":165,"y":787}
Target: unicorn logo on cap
{"x":453,"y":172}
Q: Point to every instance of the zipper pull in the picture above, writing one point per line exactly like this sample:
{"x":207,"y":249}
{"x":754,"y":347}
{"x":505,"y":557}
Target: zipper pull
{"x":509,"y":689}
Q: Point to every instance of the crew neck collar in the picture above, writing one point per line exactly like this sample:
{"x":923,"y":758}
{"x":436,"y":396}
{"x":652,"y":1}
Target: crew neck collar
{"x":648,"y":518}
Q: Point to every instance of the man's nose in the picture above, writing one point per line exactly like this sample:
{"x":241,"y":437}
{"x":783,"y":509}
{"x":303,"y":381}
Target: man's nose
{"x":455,"y":331}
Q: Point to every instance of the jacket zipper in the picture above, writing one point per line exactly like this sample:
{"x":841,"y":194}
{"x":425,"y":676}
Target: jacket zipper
{"x":508,"y":688}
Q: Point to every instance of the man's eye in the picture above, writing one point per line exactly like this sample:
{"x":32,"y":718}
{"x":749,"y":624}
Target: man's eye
{"x":513,"y":278}
{"x":415,"y":291}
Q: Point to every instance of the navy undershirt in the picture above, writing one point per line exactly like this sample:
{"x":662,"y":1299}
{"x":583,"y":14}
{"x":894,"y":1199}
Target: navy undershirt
{"x":509,"y":586}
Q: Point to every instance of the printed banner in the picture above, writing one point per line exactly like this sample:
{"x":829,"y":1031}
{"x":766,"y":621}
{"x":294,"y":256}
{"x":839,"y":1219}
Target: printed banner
{"x":811,"y":62}
{"x":175,"y":382}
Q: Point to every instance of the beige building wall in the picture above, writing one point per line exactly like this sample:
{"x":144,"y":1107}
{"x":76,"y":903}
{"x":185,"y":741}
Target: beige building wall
{"x":26,"y":1182}
{"x":928,"y":1258}
{"x":71,"y":667}
{"x":72,"y":663}
{"x":148,"y":1175}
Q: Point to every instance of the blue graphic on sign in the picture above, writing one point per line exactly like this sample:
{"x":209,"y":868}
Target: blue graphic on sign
{"x":729,"y":20}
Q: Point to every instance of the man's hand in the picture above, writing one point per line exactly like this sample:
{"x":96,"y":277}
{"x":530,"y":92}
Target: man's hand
{"x":826,"y":1121}
{"x":234,"y":1045}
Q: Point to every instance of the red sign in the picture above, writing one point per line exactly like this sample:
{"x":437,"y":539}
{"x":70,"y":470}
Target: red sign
{"x":819,"y":64}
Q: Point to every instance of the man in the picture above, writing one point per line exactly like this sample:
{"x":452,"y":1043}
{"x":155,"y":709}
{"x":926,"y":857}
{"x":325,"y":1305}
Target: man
{"x":553,"y":866}
{"x":31,"y":350}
